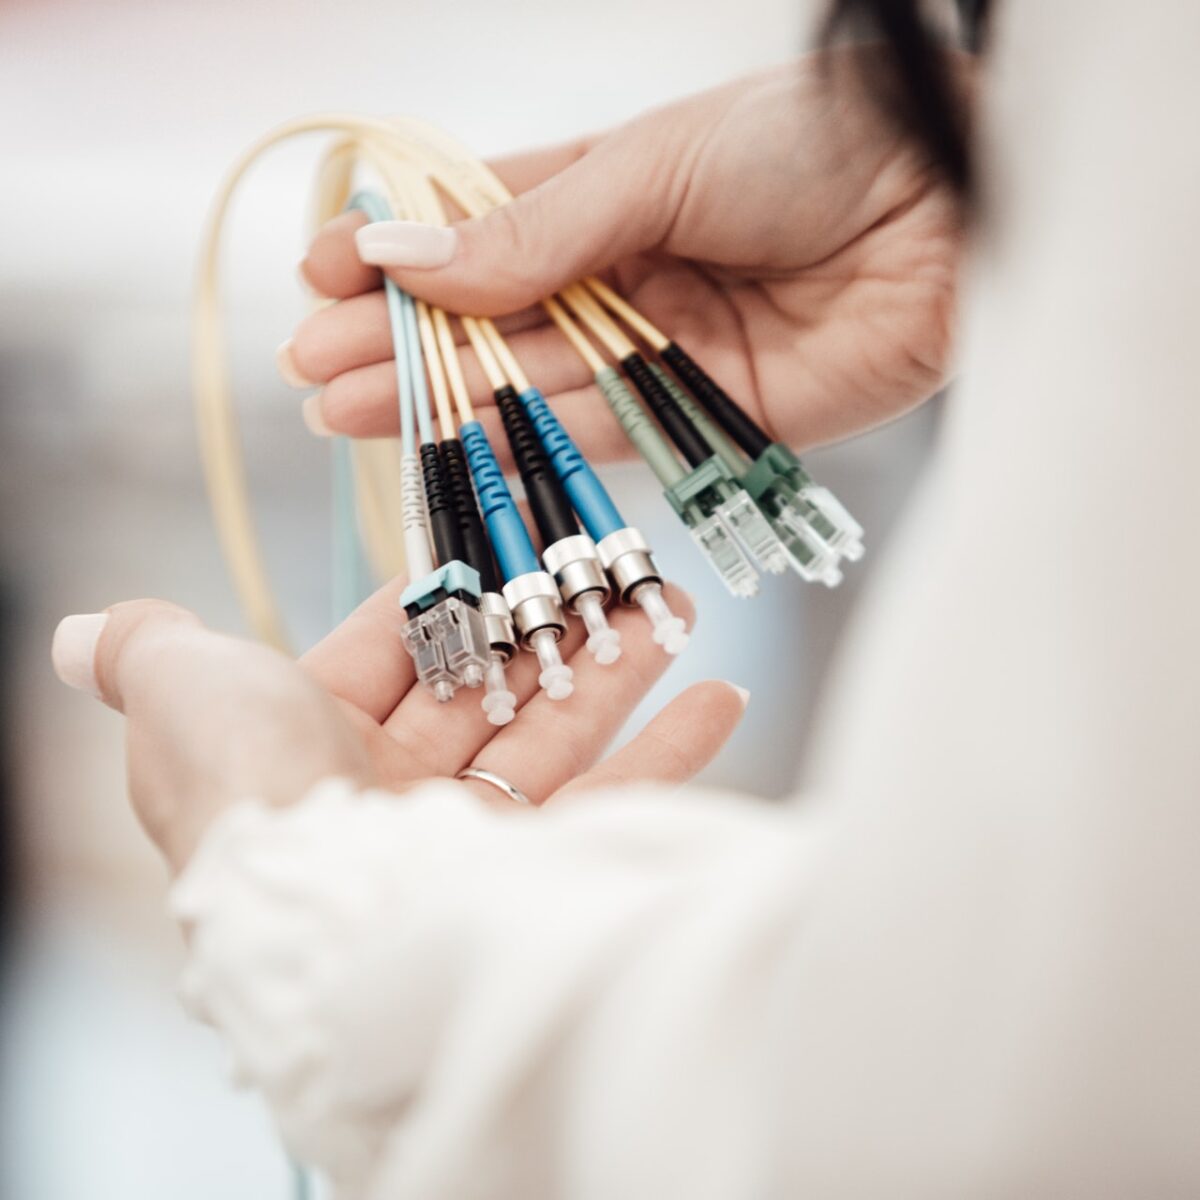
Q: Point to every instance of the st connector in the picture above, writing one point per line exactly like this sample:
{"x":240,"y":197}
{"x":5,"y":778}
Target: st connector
{"x":445,"y":632}
{"x":627,"y":559}
{"x":499,"y":703}
{"x":722,"y":520}
{"x":577,"y":569}
{"x":812,"y":523}
{"x":537,"y":613}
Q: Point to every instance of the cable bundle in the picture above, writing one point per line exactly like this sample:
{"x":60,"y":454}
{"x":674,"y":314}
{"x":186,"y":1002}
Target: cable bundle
{"x":479,"y":590}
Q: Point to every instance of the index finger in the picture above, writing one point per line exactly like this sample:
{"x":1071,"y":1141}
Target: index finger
{"x":332,"y":266}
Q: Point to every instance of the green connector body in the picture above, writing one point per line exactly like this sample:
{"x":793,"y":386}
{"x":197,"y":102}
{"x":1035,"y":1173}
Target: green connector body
{"x":639,"y":427}
{"x":702,"y":491}
{"x":720,"y":515}
{"x":809,"y":520}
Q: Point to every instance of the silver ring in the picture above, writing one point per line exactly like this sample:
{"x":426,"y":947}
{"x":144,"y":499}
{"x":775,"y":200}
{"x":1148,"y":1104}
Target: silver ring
{"x":513,"y":792}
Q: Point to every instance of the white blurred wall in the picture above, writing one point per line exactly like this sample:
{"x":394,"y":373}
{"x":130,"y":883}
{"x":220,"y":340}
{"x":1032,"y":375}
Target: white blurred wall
{"x":119,"y":118}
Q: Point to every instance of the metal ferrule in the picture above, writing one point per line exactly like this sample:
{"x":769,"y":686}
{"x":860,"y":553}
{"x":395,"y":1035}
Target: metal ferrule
{"x":576,"y":566}
{"x":498,"y":621}
{"x":533,"y":600}
{"x":626,"y":556}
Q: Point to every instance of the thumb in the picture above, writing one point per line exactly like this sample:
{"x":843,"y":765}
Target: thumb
{"x":98,"y":653}
{"x":614,"y":201}
{"x":210,"y":719}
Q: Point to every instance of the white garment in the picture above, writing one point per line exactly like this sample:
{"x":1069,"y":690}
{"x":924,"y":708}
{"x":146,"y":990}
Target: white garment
{"x":973,"y":968}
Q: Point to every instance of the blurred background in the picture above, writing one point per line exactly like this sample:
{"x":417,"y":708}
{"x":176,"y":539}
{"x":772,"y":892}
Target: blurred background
{"x":120,"y":118}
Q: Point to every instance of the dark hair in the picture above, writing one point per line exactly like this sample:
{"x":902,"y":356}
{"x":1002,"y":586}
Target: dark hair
{"x":918,"y":89}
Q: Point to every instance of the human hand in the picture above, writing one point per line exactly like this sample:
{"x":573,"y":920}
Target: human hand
{"x":778,"y":227}
{"x":211,"y":720}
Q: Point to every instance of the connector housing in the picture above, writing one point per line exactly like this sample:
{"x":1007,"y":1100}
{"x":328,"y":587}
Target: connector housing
{"x":576,"y":567}
{"x":627,"y":559}
{"x":445,"y":632}
{"x":498,"y":621}
{"x":722,"y":519}
{"x":814,"y":526}
{"x":535,"y":605}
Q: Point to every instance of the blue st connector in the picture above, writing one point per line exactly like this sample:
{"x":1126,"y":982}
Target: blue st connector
{"x":623,"y":550}
{"x":530,"y":592}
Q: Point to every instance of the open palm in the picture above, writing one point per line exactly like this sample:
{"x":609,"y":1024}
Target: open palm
{"x":212,"y":720}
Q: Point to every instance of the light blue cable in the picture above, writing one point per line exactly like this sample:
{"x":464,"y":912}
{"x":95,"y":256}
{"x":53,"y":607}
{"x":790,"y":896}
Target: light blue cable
{"x":376,"y":208}
{"x":416,"y":366}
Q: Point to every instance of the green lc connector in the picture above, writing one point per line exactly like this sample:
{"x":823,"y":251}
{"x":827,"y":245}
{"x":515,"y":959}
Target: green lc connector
{"x":710,"y":491}
{"x":701,"y":497}
{"x":814,"y":525}
{"x":815,"y":529}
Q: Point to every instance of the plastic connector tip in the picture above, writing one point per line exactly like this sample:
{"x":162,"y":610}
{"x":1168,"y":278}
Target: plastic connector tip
{"x":556,"y":677}
{"x":669,"y":631}
{"x":498,"y":703}
{"x":605,"y":647}
{"x":604,"y":642}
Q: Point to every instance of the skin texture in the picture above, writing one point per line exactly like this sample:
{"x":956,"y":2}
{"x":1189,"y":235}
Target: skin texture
{"x":777,"y":227}
{"x":211,"y":720}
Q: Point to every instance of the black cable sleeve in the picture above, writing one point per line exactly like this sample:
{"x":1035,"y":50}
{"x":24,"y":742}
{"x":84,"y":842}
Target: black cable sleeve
{"x":552,"y":511}
{"x":670,"y":416}
{"x":716,"y":402}
{"x":477,"y":550}
{"x":443,"y":520}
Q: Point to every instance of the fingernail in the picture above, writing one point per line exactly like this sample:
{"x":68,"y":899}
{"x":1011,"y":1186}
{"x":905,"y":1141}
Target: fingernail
{"x":288,"y":369}
{"x":743,"y":694}
{"x":406,"y":244}
{"x":311,"y":410}
{"x":73,"y":651}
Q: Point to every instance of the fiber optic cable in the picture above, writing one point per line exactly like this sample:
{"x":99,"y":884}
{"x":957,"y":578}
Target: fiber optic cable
{"x":568,"y":554}
{"x":445,"y":631}
{"x":498,"y":702}
{"x":621,"y":549}
{"x":798,"y":510}
{"x":530,"y":592}
{"x":807,"y":518}
{"x":521,"y":603}
{"x":454,"y":484}
{"x":719,"y":515}
{"x":814,"y":526}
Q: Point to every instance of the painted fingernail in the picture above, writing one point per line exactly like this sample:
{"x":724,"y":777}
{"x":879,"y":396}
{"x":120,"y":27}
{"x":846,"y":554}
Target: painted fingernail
{"x":313,"y":418}
{"x":406,"y":244}
{"x":743,"y":694}
{"x":288,"y":369}
{"x":73,"y":651}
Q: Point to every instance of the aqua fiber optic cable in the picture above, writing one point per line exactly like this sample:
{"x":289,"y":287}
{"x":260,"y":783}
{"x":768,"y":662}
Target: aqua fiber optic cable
{"x":445,"y":632}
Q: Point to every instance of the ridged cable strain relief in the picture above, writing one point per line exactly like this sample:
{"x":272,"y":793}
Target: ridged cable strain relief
{"x":548,"y":501}
{"x":722,"y":444}
{"x":509,"y":537}
{"x":639,"y":428}
{"x":412,"y":494}
{"x":723,"y":409}
{"x":477,"y":550}
{"x":443,"y":519}
{"x":683,"y":433}
{"x":588,"y":495}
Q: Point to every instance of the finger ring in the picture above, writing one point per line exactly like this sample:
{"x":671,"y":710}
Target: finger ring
{"x":513,"y":792}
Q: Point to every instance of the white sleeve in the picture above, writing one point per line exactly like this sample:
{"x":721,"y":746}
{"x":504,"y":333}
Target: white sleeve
{"x":431,"y":994}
